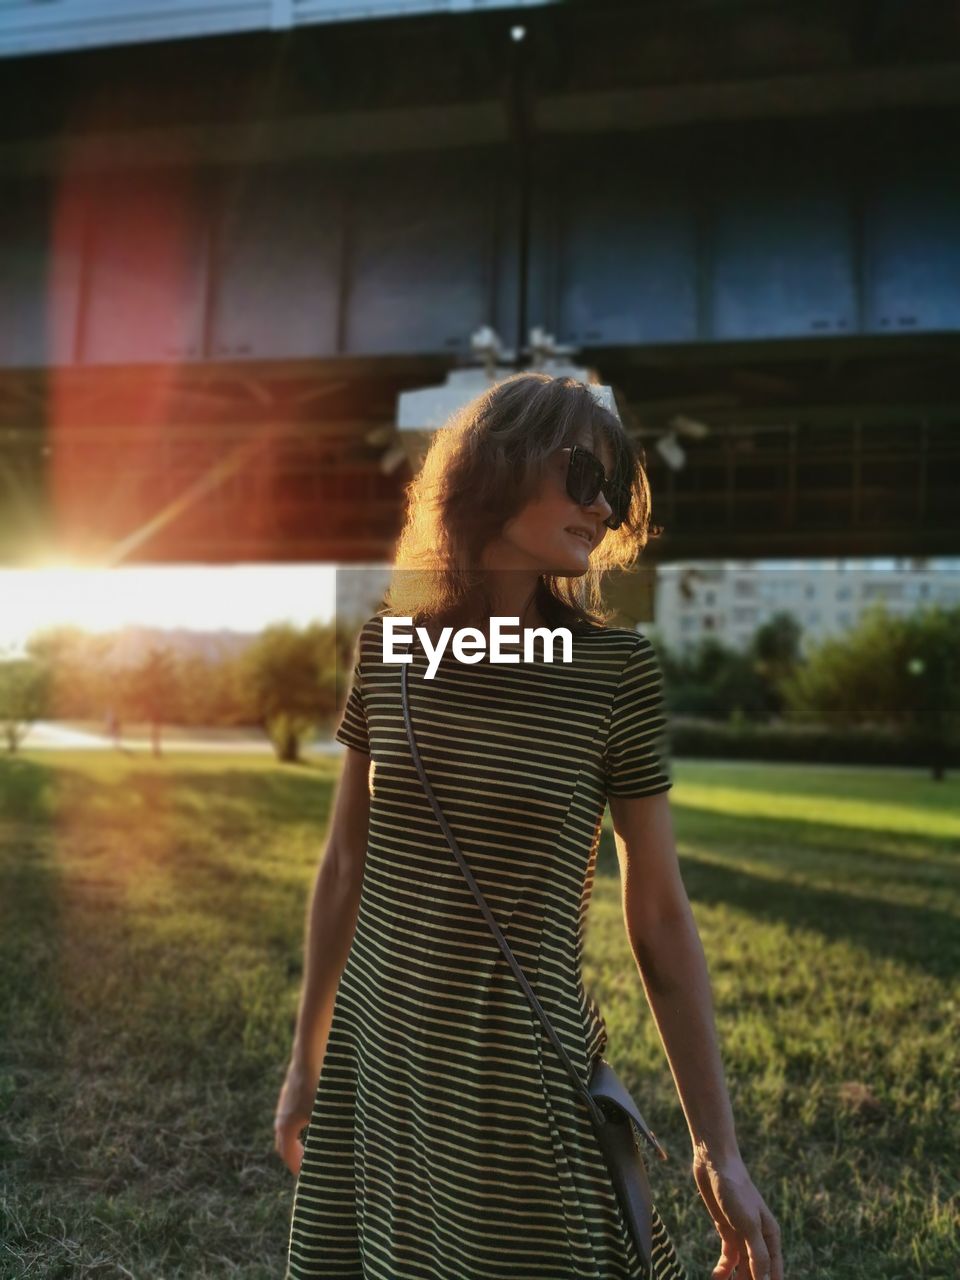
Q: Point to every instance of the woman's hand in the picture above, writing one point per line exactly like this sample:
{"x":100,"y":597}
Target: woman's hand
{"x":749,"y":1231}
{"x":294,"y":1108}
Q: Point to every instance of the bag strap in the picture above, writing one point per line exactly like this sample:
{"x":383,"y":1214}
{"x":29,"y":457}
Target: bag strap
{"x":596,"y":1113}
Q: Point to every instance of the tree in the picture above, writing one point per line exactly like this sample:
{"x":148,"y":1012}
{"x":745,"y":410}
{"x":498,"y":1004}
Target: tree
{"x":24,"y":694}
{"x":775,"y":653}
{"x":211,"y":690}
{"x":79,"y":679}
{"x":290,"y":677}
{"x":929,"y":667}
{"x":712,"y":680}
{"x":902,"y":673}
{"x":152,"y":691}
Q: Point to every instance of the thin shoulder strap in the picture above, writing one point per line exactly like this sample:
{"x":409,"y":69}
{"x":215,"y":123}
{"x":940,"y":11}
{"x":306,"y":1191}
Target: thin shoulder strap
{"x":595,"y":1110}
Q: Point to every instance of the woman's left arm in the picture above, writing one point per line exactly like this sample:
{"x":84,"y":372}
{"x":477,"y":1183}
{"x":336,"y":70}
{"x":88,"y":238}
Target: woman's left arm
{"x":669,"y":954}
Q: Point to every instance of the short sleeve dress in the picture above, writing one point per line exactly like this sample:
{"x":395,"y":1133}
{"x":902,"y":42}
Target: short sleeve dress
{"x":446,"y":1141}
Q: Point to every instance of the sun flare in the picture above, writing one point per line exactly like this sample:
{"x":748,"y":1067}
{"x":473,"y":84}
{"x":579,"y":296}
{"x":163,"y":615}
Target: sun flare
{"x":198,"y":597}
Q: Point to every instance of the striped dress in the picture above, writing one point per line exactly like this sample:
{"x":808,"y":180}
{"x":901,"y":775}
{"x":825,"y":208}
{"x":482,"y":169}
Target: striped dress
{"x":446,"y":1141}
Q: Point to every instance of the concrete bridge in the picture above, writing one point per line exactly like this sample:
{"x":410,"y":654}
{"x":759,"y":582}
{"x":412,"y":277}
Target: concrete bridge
{"x":222,"y":258}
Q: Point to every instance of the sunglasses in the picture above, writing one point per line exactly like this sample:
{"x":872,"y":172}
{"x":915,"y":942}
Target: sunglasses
{"x":585,"y":479}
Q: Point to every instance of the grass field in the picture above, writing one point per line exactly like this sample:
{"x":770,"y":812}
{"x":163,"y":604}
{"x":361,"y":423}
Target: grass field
{"x":151,"y":933}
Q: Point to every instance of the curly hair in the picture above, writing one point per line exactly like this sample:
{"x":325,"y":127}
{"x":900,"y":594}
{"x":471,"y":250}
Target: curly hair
{"x":481,"y":468}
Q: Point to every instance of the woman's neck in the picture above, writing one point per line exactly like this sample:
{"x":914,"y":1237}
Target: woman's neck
{"x":515,"y":596}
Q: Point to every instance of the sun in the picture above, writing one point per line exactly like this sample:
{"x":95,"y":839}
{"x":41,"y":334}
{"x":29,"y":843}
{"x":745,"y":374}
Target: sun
{"x":97,"y":598}
{"x":52,"y":595}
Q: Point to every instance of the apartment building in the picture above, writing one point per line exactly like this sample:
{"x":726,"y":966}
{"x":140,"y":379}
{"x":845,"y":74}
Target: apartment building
{"x":827,"y":597}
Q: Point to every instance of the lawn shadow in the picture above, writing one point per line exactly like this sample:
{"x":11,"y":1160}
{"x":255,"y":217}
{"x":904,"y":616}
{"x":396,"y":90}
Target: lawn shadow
{"x":26,"y":790}
{"x":125,"y":850}
{"x":785,"y":860}
{"x":290,"y":797}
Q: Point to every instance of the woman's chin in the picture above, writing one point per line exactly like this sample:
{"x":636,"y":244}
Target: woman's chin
{"x":567,"y":563}
{"x":571,"y":571}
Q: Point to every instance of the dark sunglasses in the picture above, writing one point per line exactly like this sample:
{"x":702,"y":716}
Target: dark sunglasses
{"x":586,"y":477}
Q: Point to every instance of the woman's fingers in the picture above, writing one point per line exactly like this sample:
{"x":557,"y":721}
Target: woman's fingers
{"x":771,"y":1236}
{"x":763,"y":1244}
{"x":731,"y":1246}
{"x":727,"y":1265}
{"x":749,"y":1232}
{"x":758,"y":1254}
{"x":286,"y":1141}
{"x":293,"y":1111}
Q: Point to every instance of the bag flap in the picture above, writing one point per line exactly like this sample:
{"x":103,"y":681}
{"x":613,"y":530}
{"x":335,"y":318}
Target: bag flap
{"x":606,"y":1084}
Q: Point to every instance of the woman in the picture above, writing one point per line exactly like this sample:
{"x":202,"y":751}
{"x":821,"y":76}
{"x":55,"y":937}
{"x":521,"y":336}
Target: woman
{"x":444,"y":1138}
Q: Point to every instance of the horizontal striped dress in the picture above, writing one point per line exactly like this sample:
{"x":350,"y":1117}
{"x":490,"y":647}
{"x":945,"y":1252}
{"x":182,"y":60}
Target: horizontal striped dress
{"x":446,"y":1141}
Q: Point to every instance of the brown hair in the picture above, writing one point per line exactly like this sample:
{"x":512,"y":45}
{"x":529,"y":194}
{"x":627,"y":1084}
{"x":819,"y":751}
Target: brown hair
{"x":480,"y":470}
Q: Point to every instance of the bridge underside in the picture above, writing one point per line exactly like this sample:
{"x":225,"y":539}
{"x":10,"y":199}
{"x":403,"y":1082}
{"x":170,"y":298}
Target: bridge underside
{"x":221,"y":261}
{"x":851,"y":449}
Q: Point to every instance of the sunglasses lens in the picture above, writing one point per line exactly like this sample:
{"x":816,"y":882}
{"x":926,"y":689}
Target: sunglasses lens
{"x":585,"y":477}
{"x":619,"y":499}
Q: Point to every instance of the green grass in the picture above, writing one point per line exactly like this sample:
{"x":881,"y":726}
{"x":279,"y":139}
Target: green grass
{"x":151,"y":933}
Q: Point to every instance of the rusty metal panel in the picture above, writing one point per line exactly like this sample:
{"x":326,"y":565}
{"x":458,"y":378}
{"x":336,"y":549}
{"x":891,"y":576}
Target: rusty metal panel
{"x":420,"y":263}
{"x":783,"y":265}
{"x":24,"y":258}
{"x":615,"y":257}
{"x":145,"y":295}
{"x":41,"y":247}
{"x":409,"y":254}
{"x":276,"y":263}
{"x":781,"y":245}
{"x":912,"y":249}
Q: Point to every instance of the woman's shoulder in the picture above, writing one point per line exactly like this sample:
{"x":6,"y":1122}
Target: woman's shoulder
{"x":371,"y":633}
{"x":625,"y":640}
{"x":368,"y":638}
{"x":603,"y":652}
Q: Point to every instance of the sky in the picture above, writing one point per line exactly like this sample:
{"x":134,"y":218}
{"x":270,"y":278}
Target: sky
{"x":198,"y":597}
{"x":205,"y":597}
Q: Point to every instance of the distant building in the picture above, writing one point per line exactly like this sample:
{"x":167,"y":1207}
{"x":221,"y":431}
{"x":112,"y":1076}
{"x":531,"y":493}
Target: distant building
{"x":729,"y":601}
{"x":129,"y":646}
{"x":359,"y":591}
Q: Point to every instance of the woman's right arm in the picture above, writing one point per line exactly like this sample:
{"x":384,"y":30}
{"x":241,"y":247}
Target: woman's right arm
{"x":331,"y":924}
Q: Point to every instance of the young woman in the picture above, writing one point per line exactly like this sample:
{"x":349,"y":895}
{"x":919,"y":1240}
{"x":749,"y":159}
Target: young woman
{"x":444,"y":1138}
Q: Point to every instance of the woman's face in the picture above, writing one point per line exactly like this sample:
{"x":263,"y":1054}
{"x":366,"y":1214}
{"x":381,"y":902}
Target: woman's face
{"x":540,"y":536}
